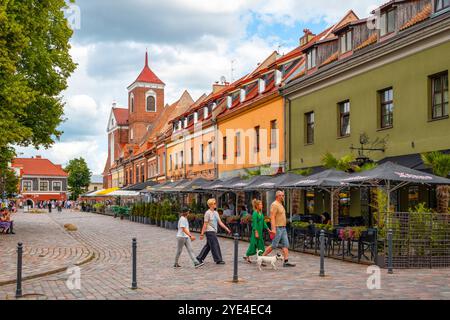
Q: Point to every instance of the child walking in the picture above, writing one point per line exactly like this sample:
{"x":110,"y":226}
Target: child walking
{"x":184,"y":239}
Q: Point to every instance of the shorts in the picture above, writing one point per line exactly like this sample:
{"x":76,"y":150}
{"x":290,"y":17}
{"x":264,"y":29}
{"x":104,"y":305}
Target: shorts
{"x":280,"y":238}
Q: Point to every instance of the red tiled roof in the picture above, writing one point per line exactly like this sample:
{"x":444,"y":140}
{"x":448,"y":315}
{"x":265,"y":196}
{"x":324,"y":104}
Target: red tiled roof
{"x":38,"y":167}
{"x":121,"y":116}
{"x":147,"y":74}
{"x":372,"y":39}
{"x":421,"y":16}
{"x":330,"y":59}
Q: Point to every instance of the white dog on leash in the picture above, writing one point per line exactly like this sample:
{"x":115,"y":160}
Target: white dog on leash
{"x":266,"y":259}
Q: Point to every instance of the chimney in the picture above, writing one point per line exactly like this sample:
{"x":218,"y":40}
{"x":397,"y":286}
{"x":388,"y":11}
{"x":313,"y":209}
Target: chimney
{"x":114,"y":104}
{"x":307,"y":37}
{"x":38,"y":157}
{"x":216,"y":87}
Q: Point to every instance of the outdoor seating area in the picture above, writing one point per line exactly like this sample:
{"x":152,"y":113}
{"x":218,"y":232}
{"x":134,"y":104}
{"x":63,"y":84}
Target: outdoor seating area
{"x":360,"y":238}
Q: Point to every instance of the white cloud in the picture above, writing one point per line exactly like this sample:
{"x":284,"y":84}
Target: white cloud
{"x":190,"y":43}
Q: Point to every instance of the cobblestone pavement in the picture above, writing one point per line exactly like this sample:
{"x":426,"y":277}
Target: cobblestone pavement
{"x":108,"y":274}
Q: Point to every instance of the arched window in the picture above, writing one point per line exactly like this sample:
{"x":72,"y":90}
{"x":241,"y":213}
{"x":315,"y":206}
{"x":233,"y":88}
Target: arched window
{"x":151,"y":104}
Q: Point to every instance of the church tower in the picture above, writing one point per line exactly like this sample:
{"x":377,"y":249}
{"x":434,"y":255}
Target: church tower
{"x":145,"y":102}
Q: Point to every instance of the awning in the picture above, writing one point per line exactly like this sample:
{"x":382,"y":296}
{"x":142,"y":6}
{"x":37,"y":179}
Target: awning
{"x":124,"y":193}
{"x":412,"y":161}
{"x":390,"y":171}
{"x":274,"y":182}
{"x":101,"y":193}
{"x":170,"y":187}
{"x":140,"y":186}
{"x":155,"y":187}
{"x":219,"y":185}
{"x":191,"y":185}
{"x":326,"y":179}
{"x":241,"y":184}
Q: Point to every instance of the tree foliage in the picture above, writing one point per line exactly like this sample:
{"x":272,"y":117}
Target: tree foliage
{"x":79,"y":177}
{"x":440,"y":164}
{"x":9,"y":183}
{"x":34,"y":67}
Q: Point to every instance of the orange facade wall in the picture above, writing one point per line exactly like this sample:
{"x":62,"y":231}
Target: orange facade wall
{"x":245,"y":122}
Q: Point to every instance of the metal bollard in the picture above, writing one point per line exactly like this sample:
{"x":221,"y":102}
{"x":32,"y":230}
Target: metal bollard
{"x":236,"y":253}
{"x":390,"y":249}
{"x":19,"y":270}
{"x":134,"y":282}
{"x":322,"y":254}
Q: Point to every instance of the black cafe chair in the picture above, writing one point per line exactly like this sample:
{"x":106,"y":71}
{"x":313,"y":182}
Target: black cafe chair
{"x":367,"y":244}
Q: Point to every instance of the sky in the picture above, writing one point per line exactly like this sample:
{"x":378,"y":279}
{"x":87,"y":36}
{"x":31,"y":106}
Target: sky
{"x":191,"y":44}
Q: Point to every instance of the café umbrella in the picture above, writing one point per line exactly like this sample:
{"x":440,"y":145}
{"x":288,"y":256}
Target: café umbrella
{"x":328,"y":180}
{"x":391,"y":172}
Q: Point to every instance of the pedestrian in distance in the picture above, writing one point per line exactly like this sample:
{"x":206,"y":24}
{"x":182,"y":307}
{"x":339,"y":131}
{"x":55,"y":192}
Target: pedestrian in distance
{"x":184,"y":239}
{"x":210,"y":227}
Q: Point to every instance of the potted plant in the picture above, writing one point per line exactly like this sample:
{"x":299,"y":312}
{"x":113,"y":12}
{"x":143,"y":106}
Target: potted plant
{"x":172,"y":221}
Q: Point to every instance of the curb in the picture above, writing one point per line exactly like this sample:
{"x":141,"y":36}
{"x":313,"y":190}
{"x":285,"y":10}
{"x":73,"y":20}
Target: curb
{"x":48,"y":273}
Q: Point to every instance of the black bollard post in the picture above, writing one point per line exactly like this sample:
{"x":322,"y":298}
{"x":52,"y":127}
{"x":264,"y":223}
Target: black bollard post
{"x":134,"y":282}
{"x":19,"y":270}
{"x":236,"y":253}
{"x":390,"y":249}
{"x":322,"y":253}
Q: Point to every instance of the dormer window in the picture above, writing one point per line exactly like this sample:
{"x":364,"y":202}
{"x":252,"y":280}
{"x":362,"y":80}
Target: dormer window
{"x":311,"y":57}
{"x":441,"y":5}
{"x":387,"y":22}
{"x":346,"y":42}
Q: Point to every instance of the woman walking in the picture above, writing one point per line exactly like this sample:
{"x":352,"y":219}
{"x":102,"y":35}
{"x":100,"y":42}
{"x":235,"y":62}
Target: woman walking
{"x":258,"y":225}
{"x":210,"y":226}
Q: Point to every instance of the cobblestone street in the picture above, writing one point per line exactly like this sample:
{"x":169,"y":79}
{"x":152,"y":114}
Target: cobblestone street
{"x":102,"y":248}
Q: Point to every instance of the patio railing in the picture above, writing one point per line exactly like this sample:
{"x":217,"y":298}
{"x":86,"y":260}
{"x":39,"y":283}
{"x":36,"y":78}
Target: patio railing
{"x":420,"y":240}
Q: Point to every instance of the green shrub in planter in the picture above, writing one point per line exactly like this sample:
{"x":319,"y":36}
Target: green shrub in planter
{"x":300,"y":225}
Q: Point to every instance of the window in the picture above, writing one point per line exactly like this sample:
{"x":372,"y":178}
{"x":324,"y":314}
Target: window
{"x":210,"y":152}
{"x":387,"y":108}
{"x":157,"y":164}
{"x":439,"y":96}
{"x":202,"y":154}
{"x":132,"y":103}
{"x":43,"y":186}
{"x":441,"y":4}
{"x":346,"y":42}
{"x":309,"y":202}
{"x":57,"y":186}
{"x":413,"y":196}
{"x":164,"y":163}
{"x":151,"y":104}
{"x":344,"y":118}
{"x":237,"y":144}
{"x":95,"y":188}
{"x":273,"y":134}
{"x":257,"y":139}
{"x":131,"y":134}
{"x":309,"y":120}
{"x":387,"y":22}
{"x":176,"y":161}
{"x":170,"y":162}
{"x":182,"y":159}
{"x":27,"y":185}
{"x":224,"y":143}
{"x":191,"y":161}
{"x":311,"y":57}
{"x":137,"y":175}
{"x":142,"y":173}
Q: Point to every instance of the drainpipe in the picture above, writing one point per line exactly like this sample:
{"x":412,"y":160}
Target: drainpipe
{"x":287,"y":140}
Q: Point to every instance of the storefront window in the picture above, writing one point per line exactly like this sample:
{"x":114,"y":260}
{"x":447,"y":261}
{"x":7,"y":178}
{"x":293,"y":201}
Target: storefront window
{"x":413,"y":196}
{"x":309,"y":202}
{"x":344,"y":204}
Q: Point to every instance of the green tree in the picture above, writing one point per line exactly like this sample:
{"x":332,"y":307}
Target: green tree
{"x":440,"y":164}
{"x":79,"y":177}
{"x":8,"y":183}
{"x":34,"y":67}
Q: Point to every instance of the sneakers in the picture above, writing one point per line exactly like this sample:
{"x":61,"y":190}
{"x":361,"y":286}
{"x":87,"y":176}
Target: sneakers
{"x":176,"y":265}
{"x":288,"y":264}
{"x":220,"y":262}
{"x":198,"y":265}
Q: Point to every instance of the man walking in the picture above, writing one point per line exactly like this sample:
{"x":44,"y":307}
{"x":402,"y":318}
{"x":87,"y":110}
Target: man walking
{"x":278,"y":226}
{"x":210,"y":228}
